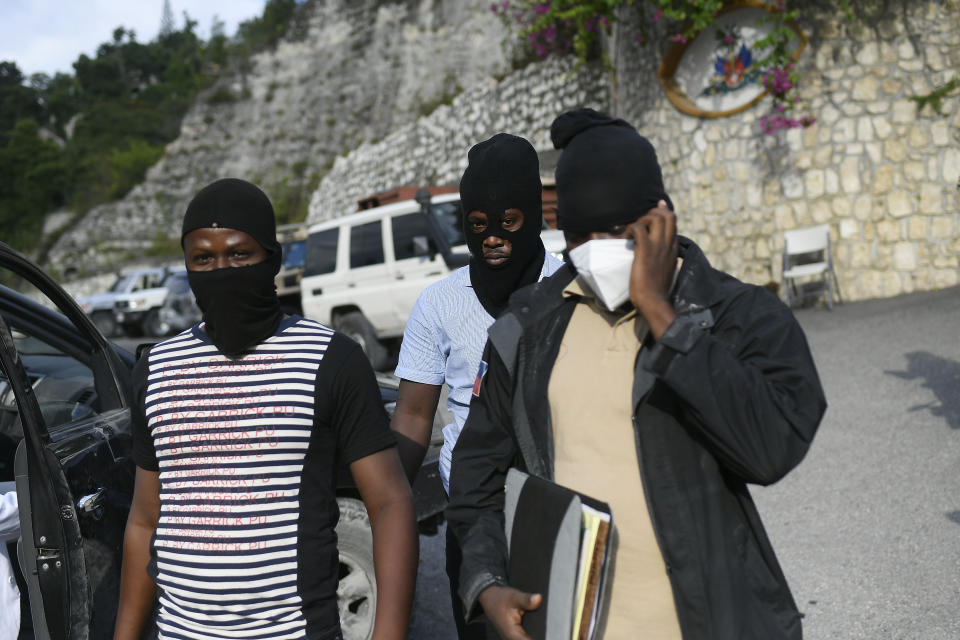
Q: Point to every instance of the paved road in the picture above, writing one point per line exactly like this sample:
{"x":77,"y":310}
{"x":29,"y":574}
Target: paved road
{"x":868,"y":526}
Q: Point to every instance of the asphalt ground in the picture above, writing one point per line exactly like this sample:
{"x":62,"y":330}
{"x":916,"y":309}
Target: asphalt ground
{"x":867,"y":527}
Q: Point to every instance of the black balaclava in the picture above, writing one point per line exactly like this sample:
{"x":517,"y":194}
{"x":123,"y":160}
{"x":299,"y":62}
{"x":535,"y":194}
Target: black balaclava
{"x":503,"y":173}
{"x":240,"y":305}
{"x":607,"y":175}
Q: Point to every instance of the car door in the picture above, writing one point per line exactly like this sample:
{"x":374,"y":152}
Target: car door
{"x":368,"y":277}
{"x":64,"y":406}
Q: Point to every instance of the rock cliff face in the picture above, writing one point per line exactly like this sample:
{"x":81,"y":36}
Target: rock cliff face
{"x":349,"y":71}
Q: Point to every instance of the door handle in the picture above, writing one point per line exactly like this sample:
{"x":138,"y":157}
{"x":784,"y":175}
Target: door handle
{"x":351,"y":285}
{"x":317,"y":292}
{"x":434,"y":273}
{"x":91,"y":501}
{"x":400,"y":276}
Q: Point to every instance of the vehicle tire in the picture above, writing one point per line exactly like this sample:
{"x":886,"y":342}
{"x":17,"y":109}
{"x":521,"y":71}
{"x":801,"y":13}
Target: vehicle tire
{"x":133,"y":329}
{"x":357,"y":590}
{"x":356,"y":325}
{"x":105,"y":322}
{"x":155,"y":325}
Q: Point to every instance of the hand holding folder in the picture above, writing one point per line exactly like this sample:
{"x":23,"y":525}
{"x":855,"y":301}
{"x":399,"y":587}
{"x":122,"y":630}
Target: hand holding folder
{"x":557,"y":542}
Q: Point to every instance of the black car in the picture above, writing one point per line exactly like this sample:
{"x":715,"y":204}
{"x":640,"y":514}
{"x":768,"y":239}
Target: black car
{"x":65,"y":438}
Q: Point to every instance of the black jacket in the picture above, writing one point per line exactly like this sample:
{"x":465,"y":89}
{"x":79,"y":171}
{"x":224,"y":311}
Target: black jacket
{"x":729,"y":395}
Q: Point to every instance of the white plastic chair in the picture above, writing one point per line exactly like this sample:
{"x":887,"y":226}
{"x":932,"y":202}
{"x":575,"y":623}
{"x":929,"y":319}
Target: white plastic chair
{"x":806,"y":254}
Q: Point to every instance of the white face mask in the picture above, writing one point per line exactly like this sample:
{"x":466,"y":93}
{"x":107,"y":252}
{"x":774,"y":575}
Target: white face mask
{"x":604,"y":266}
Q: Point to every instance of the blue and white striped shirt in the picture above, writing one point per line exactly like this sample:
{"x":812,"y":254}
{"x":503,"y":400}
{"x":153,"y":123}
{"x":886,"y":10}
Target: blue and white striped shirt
{"x":246,"y":451}
{"x":443,"y":342}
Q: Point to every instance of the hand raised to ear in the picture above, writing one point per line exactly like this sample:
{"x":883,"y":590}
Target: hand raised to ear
{"x":654,"y":263}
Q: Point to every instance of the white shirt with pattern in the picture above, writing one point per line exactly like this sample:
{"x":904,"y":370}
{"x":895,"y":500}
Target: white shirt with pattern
{"x":443,"y":342}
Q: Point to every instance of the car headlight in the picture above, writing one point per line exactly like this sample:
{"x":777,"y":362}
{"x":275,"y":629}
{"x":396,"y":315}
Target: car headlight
{"x":138,"y":303}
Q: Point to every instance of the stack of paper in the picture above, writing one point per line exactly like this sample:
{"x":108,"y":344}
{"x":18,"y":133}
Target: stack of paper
{"x":593,"y":555}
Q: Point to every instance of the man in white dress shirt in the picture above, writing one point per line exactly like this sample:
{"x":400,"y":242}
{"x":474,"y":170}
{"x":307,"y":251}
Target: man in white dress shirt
{"x":447,"y":329}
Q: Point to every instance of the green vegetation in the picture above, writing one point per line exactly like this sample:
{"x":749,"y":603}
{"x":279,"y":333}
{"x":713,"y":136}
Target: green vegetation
{"x":84,"y":139}
{"x":127,"y":168}
{"x":221,"y":95}
{"x":164,"y":245}
{"x":291,"y":194}
{"x":934,"y":99}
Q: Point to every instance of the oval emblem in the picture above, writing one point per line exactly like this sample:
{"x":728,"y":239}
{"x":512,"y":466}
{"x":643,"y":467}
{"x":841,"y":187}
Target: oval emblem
{"x":716,"y":73}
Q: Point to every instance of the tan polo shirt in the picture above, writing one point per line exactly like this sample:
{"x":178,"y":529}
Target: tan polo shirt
{"x":590,"y":395}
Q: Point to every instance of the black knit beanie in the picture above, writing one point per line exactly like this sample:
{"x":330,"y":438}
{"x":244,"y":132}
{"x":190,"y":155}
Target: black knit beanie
{"x":234,"y":204}
{"x":608,"y":173}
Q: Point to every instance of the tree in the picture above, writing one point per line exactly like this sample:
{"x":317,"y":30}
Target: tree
{"x":34,"y":177}
{"x":16,"y":100}
{"x":166,"y":20}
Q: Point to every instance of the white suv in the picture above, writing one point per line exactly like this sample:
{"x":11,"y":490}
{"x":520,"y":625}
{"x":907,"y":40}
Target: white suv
{"x":139,"y":289}
{"x":363,"y":272}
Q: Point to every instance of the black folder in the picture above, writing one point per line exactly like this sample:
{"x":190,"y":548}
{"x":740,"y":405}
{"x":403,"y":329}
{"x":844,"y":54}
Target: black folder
{"x":545,"y":529}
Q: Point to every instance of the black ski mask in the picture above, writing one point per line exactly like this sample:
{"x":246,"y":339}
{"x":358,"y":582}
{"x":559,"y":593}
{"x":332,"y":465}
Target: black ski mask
{"x":240,"y":305}
{"x":607,"y":175}
{"x":503,"y":173}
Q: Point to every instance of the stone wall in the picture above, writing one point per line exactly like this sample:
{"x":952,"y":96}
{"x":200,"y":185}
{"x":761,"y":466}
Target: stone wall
{"x":433,"y":150}
{"x":882,"y":175}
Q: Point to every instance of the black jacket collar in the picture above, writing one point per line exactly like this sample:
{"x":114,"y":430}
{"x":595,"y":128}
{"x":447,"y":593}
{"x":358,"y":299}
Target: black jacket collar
{"x":693,"y":292}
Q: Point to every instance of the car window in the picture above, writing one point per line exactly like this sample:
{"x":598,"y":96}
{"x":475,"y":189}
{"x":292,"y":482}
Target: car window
{"x":294,"y":254}
{"x":178,"y":283}
{"x":321,"y":252}
{"x":121,"y":284}
{"x":450,"y":217}
{"x":63,"y":385}
{"x":405,"y":229}
{"x":56,"y":358}
{"x":366,"y":245}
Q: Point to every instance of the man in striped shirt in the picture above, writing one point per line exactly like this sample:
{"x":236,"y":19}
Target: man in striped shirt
{"x":240,"y":423}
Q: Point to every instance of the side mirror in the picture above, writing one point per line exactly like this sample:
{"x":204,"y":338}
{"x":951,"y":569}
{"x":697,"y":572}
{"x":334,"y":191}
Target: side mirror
{"x":423,"y":247}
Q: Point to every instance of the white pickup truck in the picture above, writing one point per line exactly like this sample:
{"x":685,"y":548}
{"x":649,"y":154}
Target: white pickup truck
{"x":363,"y":272}
{"x":133,"y":295}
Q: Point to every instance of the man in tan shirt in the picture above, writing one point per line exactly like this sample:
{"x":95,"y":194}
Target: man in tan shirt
{"x":663,"y":390}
